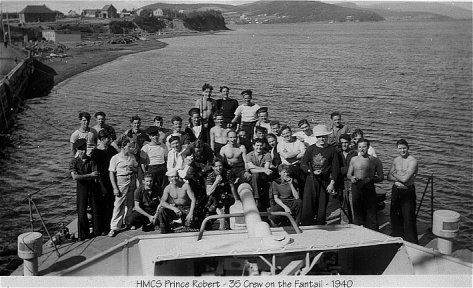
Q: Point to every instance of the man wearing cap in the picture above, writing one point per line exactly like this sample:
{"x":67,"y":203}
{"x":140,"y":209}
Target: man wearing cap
{"x":206,"y":105}
{"x":227,"y":106}
{"x":84,"y":171}
{"x":364,"y":171}
{"x":177,"y":203}
{"x":246,"y":115}
{"x":403,"y":198}
{"x":153,"y":158}
{"x":338,"y":128}
{"x":321,"y":162}
{"x":175,"y":159}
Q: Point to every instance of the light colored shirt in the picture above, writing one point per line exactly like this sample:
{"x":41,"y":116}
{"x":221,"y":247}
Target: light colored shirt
{"x":247,"y":113}
{"x":174,"y":160}
{"x":122,"y":165}
{"x":153,"y":154}
{"x":90,"y":136}
{"x":308,"y":140}
{"x":256,"y":161}
{"x":291,"y":147}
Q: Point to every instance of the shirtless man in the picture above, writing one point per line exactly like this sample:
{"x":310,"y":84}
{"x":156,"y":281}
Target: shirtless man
{"x":235,"y":156}
{"x":178,"y":201}
{"x":207,"y":105}
{"x":363,"y":172}
{"x":218,"y":133}
{"x":403,"y":199}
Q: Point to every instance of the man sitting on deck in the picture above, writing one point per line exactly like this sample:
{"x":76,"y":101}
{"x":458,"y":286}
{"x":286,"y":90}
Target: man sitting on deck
{"x":221,"y":191}
{"x":145,"y":212}
{"x":177,"y":203}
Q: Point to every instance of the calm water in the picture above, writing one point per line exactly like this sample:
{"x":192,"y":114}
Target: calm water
{"x":410,"y":80}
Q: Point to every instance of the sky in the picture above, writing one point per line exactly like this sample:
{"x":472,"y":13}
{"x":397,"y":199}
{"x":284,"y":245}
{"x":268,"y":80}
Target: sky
{"x":78,"y":5}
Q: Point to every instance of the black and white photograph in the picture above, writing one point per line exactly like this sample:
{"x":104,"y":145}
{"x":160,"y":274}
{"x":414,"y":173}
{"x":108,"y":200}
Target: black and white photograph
{"x":236,"y":143}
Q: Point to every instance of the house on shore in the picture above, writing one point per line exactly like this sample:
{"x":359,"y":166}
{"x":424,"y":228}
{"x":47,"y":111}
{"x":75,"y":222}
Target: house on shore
{"x":91,"y":13}
{"x":61,"y":36}
{"x":37,"y":13}
{"x":158,"y":12}
{"x":108,"y":11}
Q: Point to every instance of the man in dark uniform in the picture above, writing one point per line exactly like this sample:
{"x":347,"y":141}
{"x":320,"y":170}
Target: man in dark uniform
{"x":145,"y":212}
{"x":84,"y":172}
{"x":321,"y":162}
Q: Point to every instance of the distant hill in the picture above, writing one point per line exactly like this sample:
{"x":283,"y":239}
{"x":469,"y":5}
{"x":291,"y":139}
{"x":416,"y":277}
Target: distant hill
{"x":453,"y":10}
{"x":280,"y":11}
{"x":305,"y":11}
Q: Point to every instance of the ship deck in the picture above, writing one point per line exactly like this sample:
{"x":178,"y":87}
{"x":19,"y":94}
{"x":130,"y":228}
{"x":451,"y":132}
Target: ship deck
{"x":75,"y":252}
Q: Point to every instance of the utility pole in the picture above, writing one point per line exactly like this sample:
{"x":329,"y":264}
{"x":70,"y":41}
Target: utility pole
{"x":9,"y":33}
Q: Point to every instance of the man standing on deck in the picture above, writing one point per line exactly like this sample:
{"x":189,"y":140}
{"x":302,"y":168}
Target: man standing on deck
{"x":101,"y":125}
{"x":363,"y":172}
{"x":84,"y":132}
{"x":338,"y":128}
{"x":84,"y":171}
{"x":207,"y":106}
{"x":403,"y":199}
{"x":321,"y":162}
{"x":227,"y":106}
{"x":246,"y":115}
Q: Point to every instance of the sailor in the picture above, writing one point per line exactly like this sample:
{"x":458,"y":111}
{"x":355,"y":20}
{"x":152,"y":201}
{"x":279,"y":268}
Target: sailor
{"x":343,"y":184}
{"x":258,"y":162}
{"x":221,"y":191}
{"x":153,"y":158}
{"x":85,"y":132}
{"x":363,"y":172}
{"x":306,"y":135}
{"x":218,"y":133}
{"x":123,"y":172}
{"x":291,"y":152}
{"x":246,"y":115}
{"x":227,"y":106}
{"x":403,"y":198}
{"x":263,"y":118}
{"x":355,"y":137}
{"x":234,"y":156}
{"x":207,"y":106}
{"x":145,"y":211}
{"x":84,"y":171}
{"x":321,"y":162}
{"x":338,"y":128}
{"x":178,"y":203}
{"x":286,"y":196}
{"x":196,"y":129}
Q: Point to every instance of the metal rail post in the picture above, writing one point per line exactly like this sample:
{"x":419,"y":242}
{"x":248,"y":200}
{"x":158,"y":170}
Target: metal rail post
{"x":432,"y":200}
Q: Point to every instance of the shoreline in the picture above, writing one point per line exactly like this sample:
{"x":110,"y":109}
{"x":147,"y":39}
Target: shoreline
{"x":82,"y":58}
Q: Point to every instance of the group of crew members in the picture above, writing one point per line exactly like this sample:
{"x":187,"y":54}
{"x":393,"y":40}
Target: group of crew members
{"x":172,"y":178}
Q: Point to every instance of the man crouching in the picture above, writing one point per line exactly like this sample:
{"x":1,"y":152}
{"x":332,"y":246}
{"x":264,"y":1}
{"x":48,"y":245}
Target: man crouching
{"x":177,"y":203}
{"x":145,"y":211}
